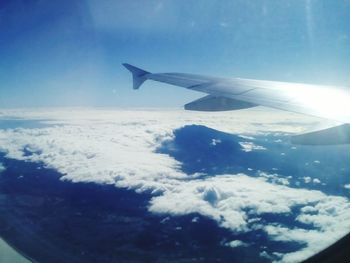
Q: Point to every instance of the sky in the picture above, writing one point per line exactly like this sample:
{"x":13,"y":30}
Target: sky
{"x":69,"y":53}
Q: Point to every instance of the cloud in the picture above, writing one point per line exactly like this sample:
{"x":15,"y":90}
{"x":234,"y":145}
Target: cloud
{"x":307,"y":179}
{"x":316,"y":181}
{"x":232,"y":200}
{"x":118,"y":147}
{"x":275,"y":178}
{"x":236,"y":243}
{"x":2,"y":168}
{"x":320,"y":215}
{"x":250,"y":146}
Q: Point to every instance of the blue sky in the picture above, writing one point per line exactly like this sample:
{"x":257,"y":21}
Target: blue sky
{"x":69,"y":53}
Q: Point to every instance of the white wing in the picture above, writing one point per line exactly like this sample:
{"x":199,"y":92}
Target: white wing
{"x":230,"y":94}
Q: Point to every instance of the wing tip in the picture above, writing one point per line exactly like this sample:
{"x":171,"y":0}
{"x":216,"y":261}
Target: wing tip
{"x":139,"y":76}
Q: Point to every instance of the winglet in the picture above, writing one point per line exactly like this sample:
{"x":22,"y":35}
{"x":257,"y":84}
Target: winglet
{"x":139,"y":76}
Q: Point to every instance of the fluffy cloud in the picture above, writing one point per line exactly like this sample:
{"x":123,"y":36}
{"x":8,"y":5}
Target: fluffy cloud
{"x":119,"y":147}
{"x":232,"y":200}
{"x":322,"y":215}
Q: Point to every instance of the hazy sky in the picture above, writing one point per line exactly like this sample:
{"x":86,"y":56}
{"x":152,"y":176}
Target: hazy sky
{"x":69,"y":53}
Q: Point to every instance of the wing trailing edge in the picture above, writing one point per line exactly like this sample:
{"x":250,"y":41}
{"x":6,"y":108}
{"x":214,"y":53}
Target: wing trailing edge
{"x":334,"y":135}
{"x":214,"y":103}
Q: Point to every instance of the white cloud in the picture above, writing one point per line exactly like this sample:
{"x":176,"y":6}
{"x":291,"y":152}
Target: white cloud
{"x":347,"y":186}
{"x":321,"y":215}
{"x":266,"y":255}
{"x":316,"y":181}
{"x":275,"y":178}
{"x":118,"y":147}
{"x":313,"y":239}
{"x":195,"y":219}
{"x":250,"y":146}
{"x":2,"y":168}
{"x":307,"y":179}
{"x":164,"y":220}
{"x":236,"y":243}
{"x":215,"y":142}
{"x":232,"y":199}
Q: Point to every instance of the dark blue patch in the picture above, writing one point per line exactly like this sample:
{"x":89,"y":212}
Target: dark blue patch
{"x":193,"y":146}
{"x":199,"y":150}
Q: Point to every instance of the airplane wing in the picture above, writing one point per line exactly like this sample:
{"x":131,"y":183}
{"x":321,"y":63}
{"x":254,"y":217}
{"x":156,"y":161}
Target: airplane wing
{"x":327,"y":102}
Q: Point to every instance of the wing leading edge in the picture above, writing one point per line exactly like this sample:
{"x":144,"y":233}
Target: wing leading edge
{"x":327,"y":102}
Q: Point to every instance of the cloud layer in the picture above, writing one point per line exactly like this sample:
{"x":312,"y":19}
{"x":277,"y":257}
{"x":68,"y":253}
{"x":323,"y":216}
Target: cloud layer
{"x":119,"y":147}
